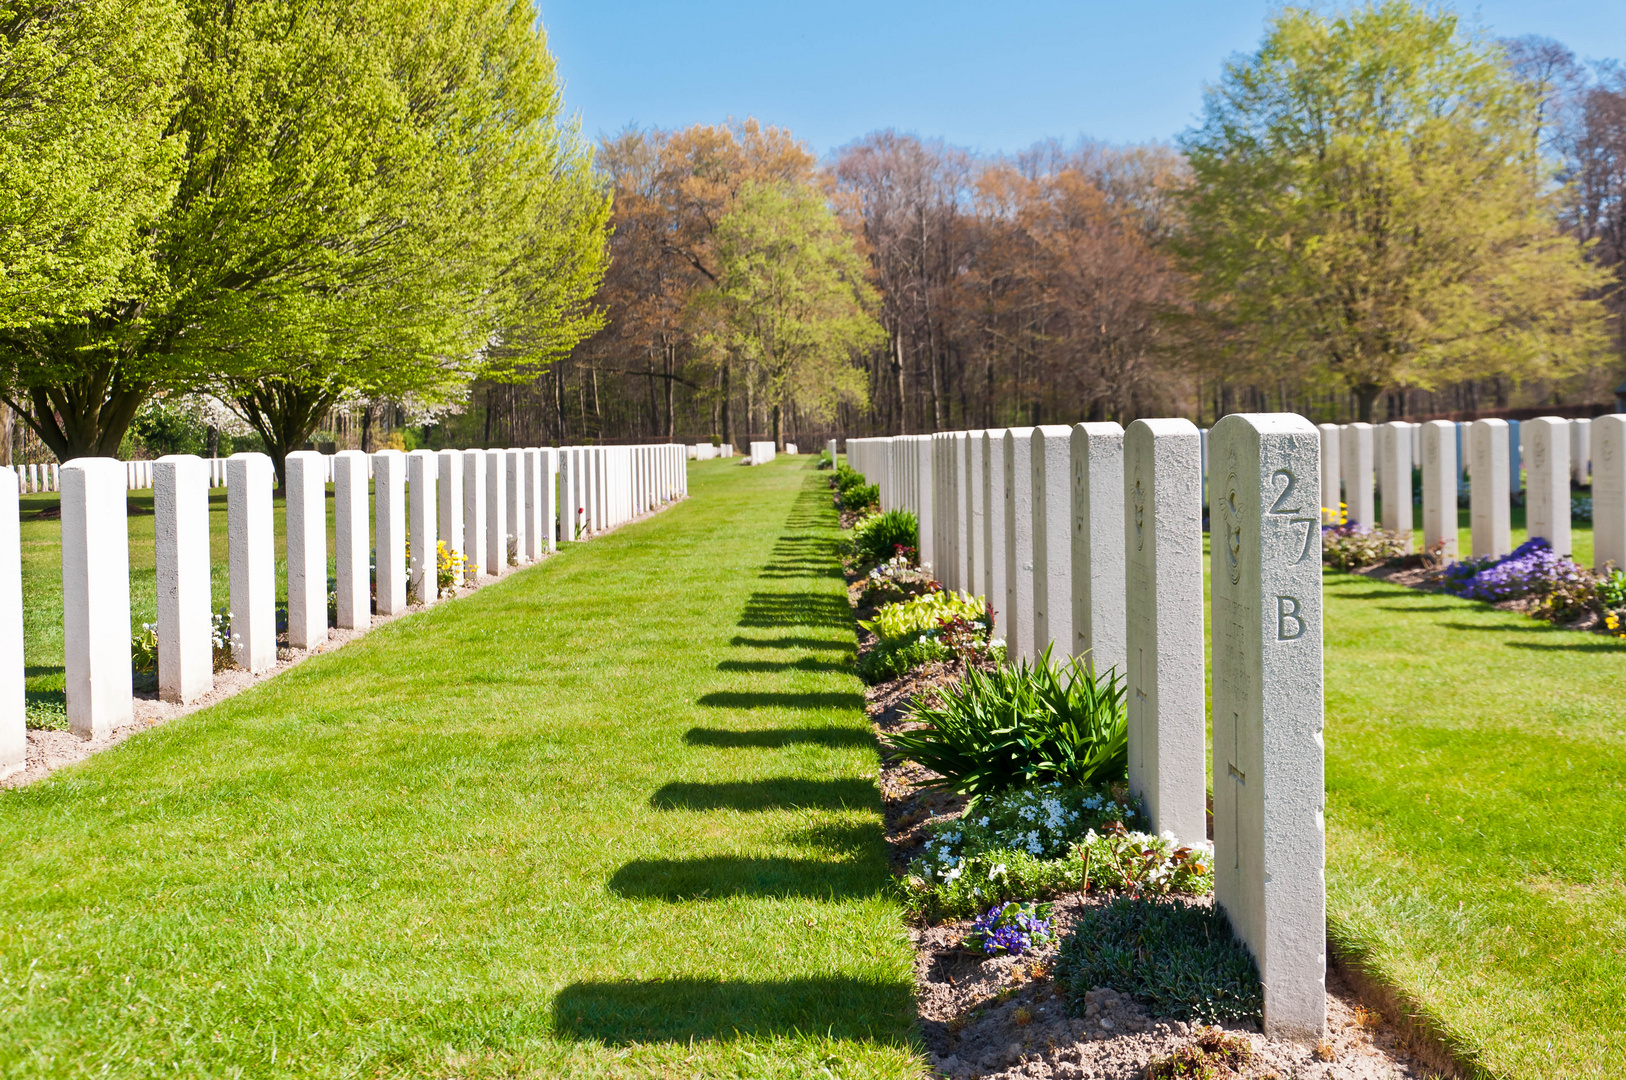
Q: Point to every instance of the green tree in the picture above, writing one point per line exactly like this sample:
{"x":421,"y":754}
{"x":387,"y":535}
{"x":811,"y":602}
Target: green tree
{"x":791,"y":301}
{"x":86,"y":161}
{"x":359,"y":204}
{"x":1366,"y":202}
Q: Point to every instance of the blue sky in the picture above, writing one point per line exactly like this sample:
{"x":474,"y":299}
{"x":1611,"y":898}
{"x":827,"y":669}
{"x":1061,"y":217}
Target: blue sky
{"x":991,"y":76}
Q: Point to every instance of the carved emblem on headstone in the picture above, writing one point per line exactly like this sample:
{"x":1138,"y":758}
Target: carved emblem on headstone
{"x":1140,"y":510}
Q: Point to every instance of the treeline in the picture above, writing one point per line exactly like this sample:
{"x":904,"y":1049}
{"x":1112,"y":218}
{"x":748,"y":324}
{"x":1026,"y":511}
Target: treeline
{"x":294,"y":207}
{"x":1379,"y":215}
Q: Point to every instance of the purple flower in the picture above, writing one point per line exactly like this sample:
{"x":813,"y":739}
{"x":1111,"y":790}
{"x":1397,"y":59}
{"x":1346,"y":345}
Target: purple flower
{"x":1009,"y":928}
{"x":1532,"y":568}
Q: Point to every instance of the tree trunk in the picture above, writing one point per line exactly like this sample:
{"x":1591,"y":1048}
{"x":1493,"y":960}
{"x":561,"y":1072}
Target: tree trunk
{"x":367,"y":426}
{"x":1366,"y":394}
{"x":213,"y":442}
{"x":671,"y":415}
{"x":897,"y":374}
{"x":8,"y":426}
{"x":728,"y":413}
{"x":778,"y":443}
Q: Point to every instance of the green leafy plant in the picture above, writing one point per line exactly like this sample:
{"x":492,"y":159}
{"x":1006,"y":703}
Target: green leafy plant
{"x":1350,"y":547}
{"x":46,"y":714}
{"x":925,"y":612}
{"x":880,"y":537}
{"x":1042,"y":841}
{"x":890,"y":659}
{"x":1179,"y":959}
{"x":824,"y":461}
{"x":1021,"y":725}
{"x":894,"y":580}
{"x":1610,"y":591}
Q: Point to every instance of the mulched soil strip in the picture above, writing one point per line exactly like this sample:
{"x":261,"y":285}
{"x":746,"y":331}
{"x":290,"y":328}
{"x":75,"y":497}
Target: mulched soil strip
{"x":1002,"y":1017}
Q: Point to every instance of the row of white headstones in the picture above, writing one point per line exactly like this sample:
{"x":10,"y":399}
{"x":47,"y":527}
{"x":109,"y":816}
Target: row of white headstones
{"x":496,"y":508}
{"x":1547,"y":454}
{"x":1089,"y":538}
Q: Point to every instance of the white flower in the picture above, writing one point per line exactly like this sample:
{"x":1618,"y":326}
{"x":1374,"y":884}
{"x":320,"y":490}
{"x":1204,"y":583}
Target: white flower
{"x":984,"y":821}
{"x":951,"y":875}
{"x":998,"y":871}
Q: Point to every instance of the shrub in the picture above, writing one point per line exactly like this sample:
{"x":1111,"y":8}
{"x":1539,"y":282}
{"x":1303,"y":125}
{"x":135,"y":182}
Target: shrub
{"x":1020,"y":726}
{"x":916,"y":615}
{"x":1581,"y":509}
{"x":1350,"y":547}
{"x":891,"y":659}
{"x":1533,"y":569}
{"x":824,"y":460}
{"x":1610,"y":591}
{"x":880,"y":537}
{"x":1179,"y":959}
{"x":862,"y":498}
{"x":896,"y":579}
{"x":1036,"y":842}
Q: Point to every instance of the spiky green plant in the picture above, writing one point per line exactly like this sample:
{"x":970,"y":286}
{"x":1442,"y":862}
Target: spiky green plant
{"x":1022,"y":724}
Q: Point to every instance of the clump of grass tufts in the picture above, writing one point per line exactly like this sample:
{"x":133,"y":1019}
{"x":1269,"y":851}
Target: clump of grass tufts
{"x":1179,"y":959}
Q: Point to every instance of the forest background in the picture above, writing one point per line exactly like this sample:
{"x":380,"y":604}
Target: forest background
{"x":1380,"y":215}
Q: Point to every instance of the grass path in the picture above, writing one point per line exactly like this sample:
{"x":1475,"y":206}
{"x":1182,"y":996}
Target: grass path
{"x":613,"y":816}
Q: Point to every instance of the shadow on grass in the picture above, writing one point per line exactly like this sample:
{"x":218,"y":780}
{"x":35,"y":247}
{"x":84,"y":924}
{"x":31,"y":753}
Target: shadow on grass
{"x":806,"y":663}
{"x":775,"y":737}
{"x":678,"y":1010}
{"x":779,"y":793}
{"x":33,"y":670}
{"x":719,"y":877}
{"x":792,"y":643}
{"x":1391,"y":593}
{"x":745,"y":699}
{"x":1498,"y":627}
{"x":1418,"y":607}
{"x":775,"y":609}
{"x":1579,"y":646}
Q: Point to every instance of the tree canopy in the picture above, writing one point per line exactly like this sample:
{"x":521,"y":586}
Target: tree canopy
{"x":1367,"y":201}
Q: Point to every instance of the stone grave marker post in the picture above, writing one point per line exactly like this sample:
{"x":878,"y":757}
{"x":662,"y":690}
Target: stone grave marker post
{"x":1269,"y":789}
{"x":1547,"y":472}
{"x":1051,"y":448}
{"x":1097,"y":453}
{"x":305,"y":514}
{"x":96,"y":597}
{"x":251,"y":554}
{"x":1488,"y":499}
{"x":1018,"y":490}
{"x":1163,"y":540}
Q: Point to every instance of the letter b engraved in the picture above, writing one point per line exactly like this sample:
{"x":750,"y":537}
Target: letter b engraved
{"x":1289,"y":624}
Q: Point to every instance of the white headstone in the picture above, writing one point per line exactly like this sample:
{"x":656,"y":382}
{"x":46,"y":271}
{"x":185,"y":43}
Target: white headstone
{"x":389,"y":532}
{"x":1394,"y":476}
{"x":423,"y":468}
{"x":1440,"y":488}
{"x":13,"y":693}
{"x":306,"y":514}
{"x":1051,"y":448}
{"x":351,"y":551}
{"x":993,"y":529}
{"x":1163,"y":531}
{"x":1515,"y":458}
{"x":972,"y":528}
{"x":517,"y":543}
{"x":251,"y":555}
{"x":496,"y":553}
{"x":1331,"y":466}
{"x":1547,"y":478}
{"x":180,"y":503}
{"x":535,"y":539}
{"x":96,"y":597}
{"x":550,"y":498}
{"x":1355,"y":442}
{"x":1609,"y":491}
{"x":1581,"y":451}
{"x":1269,"y":791}
{"x":922,"y":450}
{"x":449,"y":495}
{"x":474,"y":514}
{"x":1018,"y":462}
{"x":1488,"y":499}
{"x":1097,"y":452}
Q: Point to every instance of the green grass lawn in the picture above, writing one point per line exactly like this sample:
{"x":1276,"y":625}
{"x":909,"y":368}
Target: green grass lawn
{"x":612,"y":816}
{"x":1476,"y":821}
